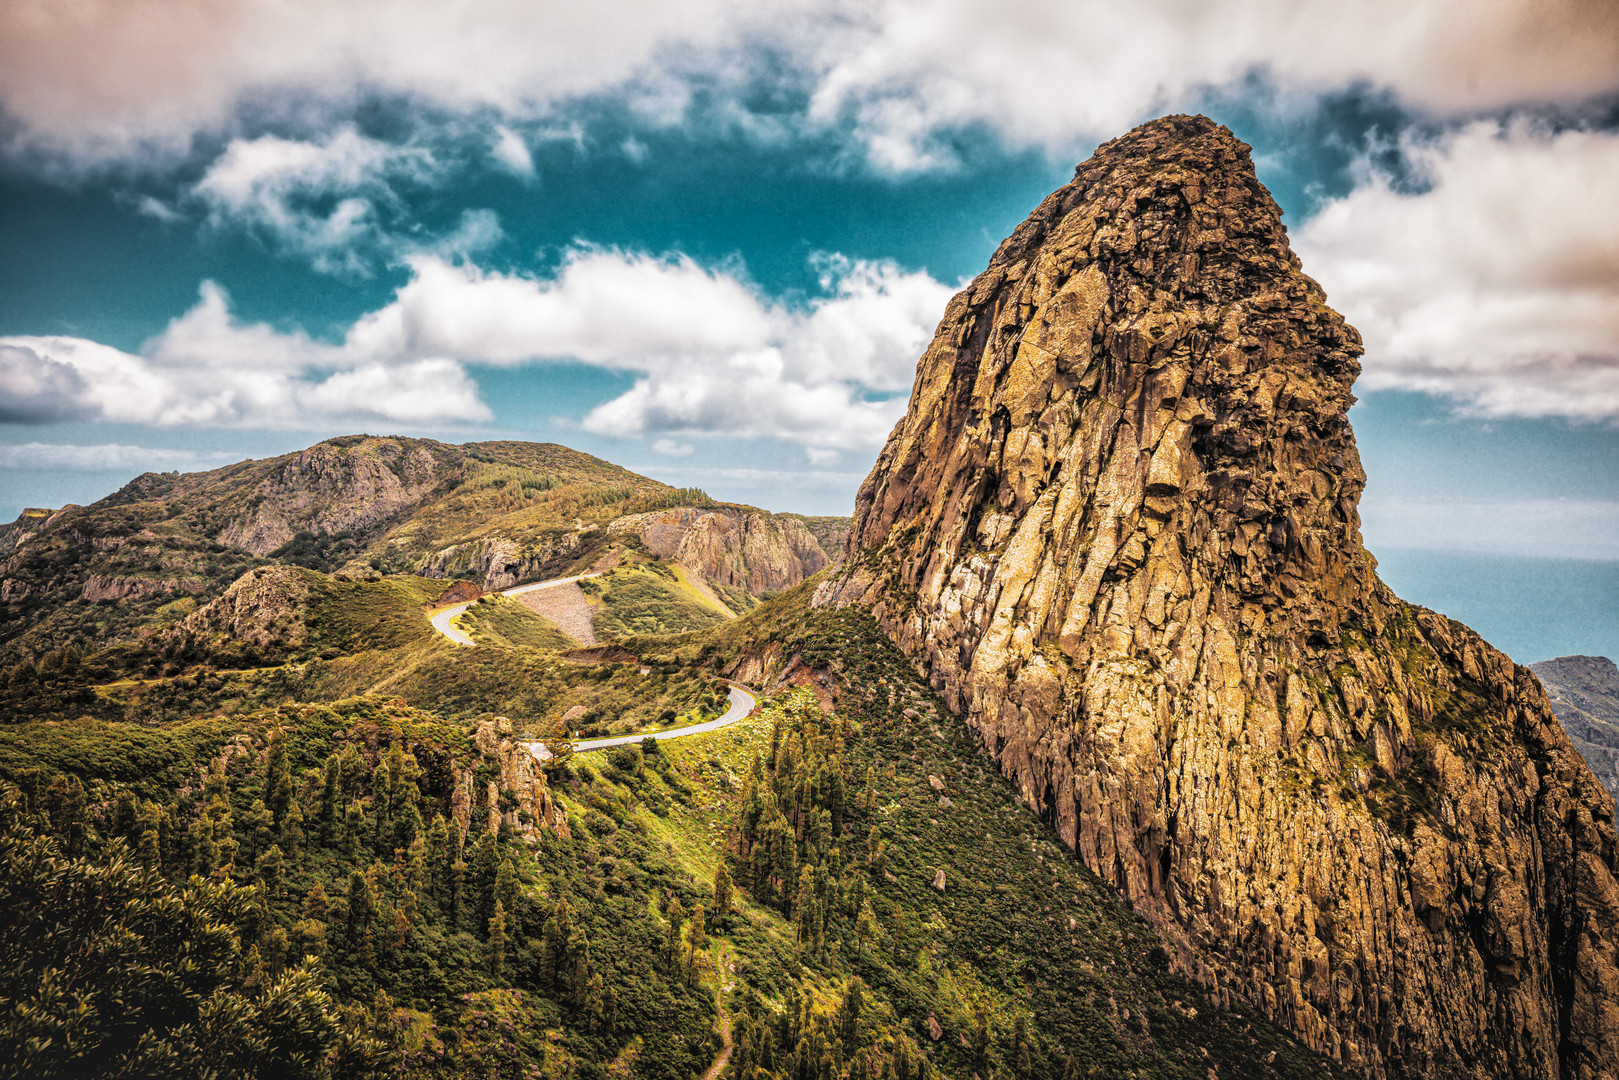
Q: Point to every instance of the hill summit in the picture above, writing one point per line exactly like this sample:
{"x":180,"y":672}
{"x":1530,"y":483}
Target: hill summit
{"x":1118,"y":528}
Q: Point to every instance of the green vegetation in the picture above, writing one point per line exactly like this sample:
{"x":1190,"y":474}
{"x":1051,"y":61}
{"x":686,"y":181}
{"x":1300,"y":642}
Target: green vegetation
{"x":651,"y":598}
{"x":108,"y":573}
{"x":505,"y":621}
{"x":253,"y":839}
{"x":792,"y":857}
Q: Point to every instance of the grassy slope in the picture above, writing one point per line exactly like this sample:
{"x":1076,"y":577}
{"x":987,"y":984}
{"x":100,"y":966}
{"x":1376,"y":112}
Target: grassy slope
{"x":503,"y":621}
{"x":163,"y":529}
{"x":1020,"y":928}
{"x":648,"y":598}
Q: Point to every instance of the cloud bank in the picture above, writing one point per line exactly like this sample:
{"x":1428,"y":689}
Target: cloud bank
{"x":710,"y":353}
{"x":111,"y":79}
{"x":1496,"y":281}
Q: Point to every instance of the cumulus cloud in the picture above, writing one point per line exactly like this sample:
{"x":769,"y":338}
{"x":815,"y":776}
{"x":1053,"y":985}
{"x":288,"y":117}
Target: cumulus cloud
{"x":208,"y":369}
{"x":38,"y":389}
{"x":106,"y":78}
{"x":511,"y":154}
{"x":710,"y":353}
{"x":323,"y":199}
{"x":1495,"y":281}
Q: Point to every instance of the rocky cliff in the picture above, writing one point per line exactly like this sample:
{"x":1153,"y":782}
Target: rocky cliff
{"x":745,"y":549}
{"x":1584,"y":692}
{"x":339,"y":486}
{"x":1118,"y":527}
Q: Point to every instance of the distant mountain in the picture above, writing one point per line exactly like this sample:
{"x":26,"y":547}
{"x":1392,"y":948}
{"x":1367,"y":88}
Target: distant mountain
{"x":361,"y":507}
{"x":1584,"y":692}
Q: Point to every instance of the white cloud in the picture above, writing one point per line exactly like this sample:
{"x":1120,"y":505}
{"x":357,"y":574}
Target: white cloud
{"x":671,"y":448}
{"x":711,"y":353}
{"x":207,"y":369}
{"x":1497,"y":285}
{"x":511,"y":153}
{"x":38,"y":388}
{"x":322,"y":199}
{"x":108,"y":457}
{"x":101,"y":79}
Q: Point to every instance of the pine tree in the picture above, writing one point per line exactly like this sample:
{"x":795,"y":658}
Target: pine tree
{"x":267,"y":871}
{"x":980,"y":1038}
{"x":848,"y":1014}
{"x":578,"y":966}
{"x":595,"y":1002}
{"x":481,"y":873}
{"x":275,"y":947}
{"x":497,"y":942}
{"x":1022,"y":1058}
{"x":458,"y":893}
{"x":330,"y":795}
{"x":722,"y":893}
{"x":507,"y":884}
{"x":292,"y":830}
{"x":805,"y":906}
{"x":279,"y":790}
{"x":354,"y":827}
{"x":671,"y":941}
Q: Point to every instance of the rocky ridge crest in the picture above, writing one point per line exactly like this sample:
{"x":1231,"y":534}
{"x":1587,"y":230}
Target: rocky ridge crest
{"x":1118,"y":528}
{"x":1584,"y":692}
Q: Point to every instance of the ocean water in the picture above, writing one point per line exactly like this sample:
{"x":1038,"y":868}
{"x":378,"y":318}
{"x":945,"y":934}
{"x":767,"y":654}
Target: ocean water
{"x":1530,"y":609}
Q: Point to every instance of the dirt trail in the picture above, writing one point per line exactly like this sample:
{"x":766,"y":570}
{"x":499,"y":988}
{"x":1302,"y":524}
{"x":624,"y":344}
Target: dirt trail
{"x":722,"y":1021}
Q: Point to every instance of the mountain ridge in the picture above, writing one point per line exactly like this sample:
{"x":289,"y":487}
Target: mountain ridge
{"x":363,"y":506}
{"x":1584,"y":692}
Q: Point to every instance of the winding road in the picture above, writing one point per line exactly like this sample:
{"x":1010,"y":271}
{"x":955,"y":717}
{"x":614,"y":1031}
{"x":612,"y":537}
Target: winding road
{"x":441,"y":619}
{"x":743,"y":700}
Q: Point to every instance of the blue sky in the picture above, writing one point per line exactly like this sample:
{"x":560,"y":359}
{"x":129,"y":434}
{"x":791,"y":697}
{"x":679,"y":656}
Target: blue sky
{"x":710,"y":247}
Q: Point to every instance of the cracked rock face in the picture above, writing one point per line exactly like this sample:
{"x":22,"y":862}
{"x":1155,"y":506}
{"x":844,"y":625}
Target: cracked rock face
{"x":760,"y":552}
{"x":1118,"y":527}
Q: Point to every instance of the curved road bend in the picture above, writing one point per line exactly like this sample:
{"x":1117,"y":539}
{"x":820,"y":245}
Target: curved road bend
{"x":743,"y":700}
{"x":441,"y":620}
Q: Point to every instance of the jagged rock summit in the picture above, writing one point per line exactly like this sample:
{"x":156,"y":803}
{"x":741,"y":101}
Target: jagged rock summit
{"x":1118,"y":527}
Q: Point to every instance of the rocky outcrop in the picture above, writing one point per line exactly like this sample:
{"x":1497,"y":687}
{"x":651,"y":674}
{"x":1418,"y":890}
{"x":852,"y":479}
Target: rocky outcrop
{"x":1584,"y":692}
{"x":263,"y":607}
{"x":752,"y":550}
{"x":112,"y":587}
{"x":1118,"y":527}
{"x":458,"y":593}
{"x":517,"y":774}
{"x":344,"y":485}
{"x":500,"y":562}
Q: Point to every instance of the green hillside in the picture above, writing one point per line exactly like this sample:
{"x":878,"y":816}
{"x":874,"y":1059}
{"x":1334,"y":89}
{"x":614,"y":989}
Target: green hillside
{"x":351,"y":914}
{"x":359,"y":506}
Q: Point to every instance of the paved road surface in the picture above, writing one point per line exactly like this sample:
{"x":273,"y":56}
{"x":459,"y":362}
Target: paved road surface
{"x":441,"y":620}
{"x":743,"y":700}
